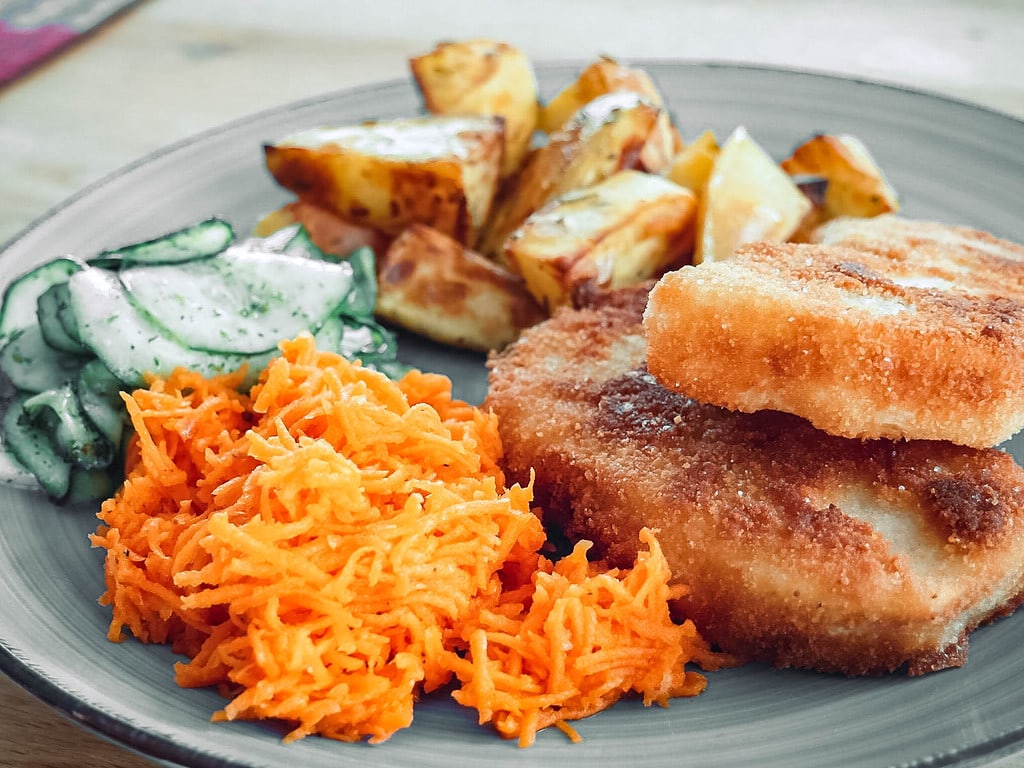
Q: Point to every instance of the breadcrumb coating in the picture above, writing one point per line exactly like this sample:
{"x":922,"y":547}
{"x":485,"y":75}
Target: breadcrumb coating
{"x":799,"y":548}
{"x":883,"y":328}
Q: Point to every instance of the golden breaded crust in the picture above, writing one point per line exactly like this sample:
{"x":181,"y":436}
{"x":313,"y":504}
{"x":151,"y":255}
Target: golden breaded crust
{"x":800,"y":548}
{"x":884,"y":328}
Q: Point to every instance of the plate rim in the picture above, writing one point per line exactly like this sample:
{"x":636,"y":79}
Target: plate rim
{"x":93,"y":717}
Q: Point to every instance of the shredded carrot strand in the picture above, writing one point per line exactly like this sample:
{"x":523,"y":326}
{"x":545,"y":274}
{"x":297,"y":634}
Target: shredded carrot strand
{"x":333,"y":544}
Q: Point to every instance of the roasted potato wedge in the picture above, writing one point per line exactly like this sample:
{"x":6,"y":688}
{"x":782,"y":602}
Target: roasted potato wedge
{"x":441,"y":171}
{"x":692,"y":166}
{"x":331,"y":233}
{"x":430,"y":284}
{"x":427,"y":282}
{"x":604,"y":137}
{"x":606,"y":75}
{"x":747,"y":197}
{"x":621,"y":231}
{"x":482,"y":77}
{"x":856,"y":184}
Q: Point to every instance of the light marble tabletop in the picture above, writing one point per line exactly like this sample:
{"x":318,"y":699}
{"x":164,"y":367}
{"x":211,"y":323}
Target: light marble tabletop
{"x":166,"y":70}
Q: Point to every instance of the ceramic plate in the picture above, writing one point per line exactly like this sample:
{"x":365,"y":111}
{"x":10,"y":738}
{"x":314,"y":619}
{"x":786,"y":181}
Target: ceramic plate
{"x":949,"y":160}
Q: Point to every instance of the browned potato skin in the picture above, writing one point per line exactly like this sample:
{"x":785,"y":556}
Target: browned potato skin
{"x":328,"y":231}
{"x":606,"y":75}
{"x":604,"y":137}
{"x":856,"y":185}
{"x":482,"y":77}
{"x":427,"y":282}
{"x":435,"y":286}
{"x":311,"y":175}
{"x":389,"y":194}
{"x":619,"y":232}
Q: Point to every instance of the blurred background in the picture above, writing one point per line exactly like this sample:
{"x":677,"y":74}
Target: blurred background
{"x":162,"y":70}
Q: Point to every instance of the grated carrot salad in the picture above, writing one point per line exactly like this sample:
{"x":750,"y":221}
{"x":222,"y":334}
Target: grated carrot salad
{"x":333,"y":544}
{"x":574,"y":640}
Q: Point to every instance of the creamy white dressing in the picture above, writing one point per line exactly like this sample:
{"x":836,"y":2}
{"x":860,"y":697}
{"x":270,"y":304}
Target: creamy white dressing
{"x":413,"y":139}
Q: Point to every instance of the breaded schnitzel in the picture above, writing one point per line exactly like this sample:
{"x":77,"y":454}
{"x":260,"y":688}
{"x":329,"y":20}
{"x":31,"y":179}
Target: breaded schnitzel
{"x":800,"y":548}
{"x":885,"y":327}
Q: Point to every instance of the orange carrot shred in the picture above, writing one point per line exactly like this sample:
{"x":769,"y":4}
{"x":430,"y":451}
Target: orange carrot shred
{"x":333,"y":544}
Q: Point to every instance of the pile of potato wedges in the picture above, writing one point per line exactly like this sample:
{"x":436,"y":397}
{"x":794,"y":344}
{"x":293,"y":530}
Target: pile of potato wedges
{"x":492,"y":210}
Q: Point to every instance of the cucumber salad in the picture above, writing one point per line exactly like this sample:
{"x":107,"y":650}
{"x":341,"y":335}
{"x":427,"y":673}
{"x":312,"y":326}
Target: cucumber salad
{"x":75,"y":333}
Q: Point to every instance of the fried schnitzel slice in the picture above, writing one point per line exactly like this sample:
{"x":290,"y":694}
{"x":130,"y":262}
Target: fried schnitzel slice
{"x":800,"y":548}
{"x":884,"y":327}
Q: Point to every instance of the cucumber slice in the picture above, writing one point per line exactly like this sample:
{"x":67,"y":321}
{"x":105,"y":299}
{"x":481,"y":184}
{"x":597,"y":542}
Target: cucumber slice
{"x":74,"y":437}
{"x":52,"y":312}
{"x":369,"y":342}
{"x":242,"y":301}
{"x":199,"y":241}
{"x":365,"y":341}
{"x":66,"y":315}
{"x":29,"y":443}
{"x":90,"y":485}
{"x":362,"y":299}
{"x":299,"y":244}
{"x":20,"y":300}
{"x":33,"y":365}
{"x":99,"y":394}
{"x":130,"y":344}
{"x":374,"y":345}
{"x":28,"y":446}
{"x":13,"y":474}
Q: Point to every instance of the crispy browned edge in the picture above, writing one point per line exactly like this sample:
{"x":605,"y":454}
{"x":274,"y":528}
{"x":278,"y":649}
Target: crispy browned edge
{"x":776,"y":327}
{"x":575,"y":405}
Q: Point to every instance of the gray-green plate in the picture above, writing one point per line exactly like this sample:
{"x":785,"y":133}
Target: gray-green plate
{"x":950,"y":161}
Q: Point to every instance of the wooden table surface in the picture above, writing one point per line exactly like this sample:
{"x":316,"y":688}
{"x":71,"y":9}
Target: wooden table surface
{"x":166,"y":70}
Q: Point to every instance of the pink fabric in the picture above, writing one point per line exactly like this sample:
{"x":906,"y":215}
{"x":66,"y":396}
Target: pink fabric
{"x":21,"y":49}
